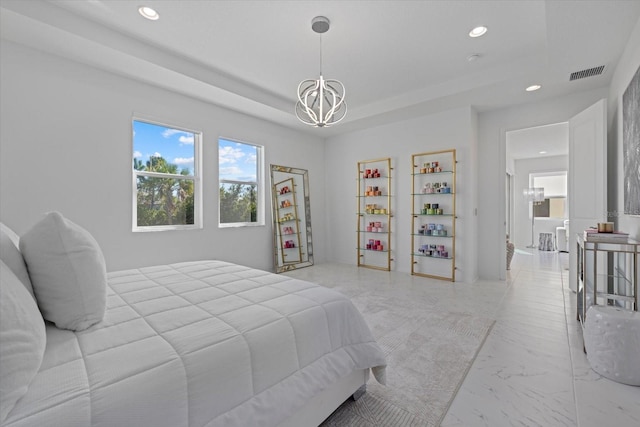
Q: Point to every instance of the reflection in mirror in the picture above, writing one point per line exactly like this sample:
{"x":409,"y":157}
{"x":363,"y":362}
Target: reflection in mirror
{"x":291,"y":218}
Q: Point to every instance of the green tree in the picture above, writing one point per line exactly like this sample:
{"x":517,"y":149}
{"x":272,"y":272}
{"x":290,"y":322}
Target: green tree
{"x":163,"y":201}
{"x":238,"y":203}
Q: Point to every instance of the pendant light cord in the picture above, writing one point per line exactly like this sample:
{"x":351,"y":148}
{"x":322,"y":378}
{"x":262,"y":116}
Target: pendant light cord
{"x":320,"y":54}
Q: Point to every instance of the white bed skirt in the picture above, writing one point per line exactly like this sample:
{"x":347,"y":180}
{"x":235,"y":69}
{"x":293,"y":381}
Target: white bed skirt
{"x":316,"y":410}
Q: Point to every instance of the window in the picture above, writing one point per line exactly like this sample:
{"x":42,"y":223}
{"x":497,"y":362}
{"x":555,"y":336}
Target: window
{"x":166,"y":183}
{"x":555,"y":193}
{"x":240,"y":171}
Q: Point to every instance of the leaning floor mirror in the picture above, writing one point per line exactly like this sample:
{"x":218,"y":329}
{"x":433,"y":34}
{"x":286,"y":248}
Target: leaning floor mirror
{"x":291,"y":218}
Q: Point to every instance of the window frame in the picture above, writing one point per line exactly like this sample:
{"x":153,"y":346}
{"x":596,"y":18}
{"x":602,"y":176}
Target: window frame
{"x":259,"y":183}
{"x":196,"y":178}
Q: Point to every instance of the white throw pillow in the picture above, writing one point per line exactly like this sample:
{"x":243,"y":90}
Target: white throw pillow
{"x":67,"y":271}
{"x":10,"y":254}
{"x":22,"y":340}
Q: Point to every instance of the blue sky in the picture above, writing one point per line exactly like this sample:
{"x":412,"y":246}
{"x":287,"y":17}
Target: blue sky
{"x":174,"y":145}
{"x":237,"y":161}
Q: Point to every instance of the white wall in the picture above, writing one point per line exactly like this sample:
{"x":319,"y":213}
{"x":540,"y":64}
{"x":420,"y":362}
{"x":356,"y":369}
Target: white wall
{"x":79,"y":120}
{"x":65,"y":144}
{"x":444,"y":130}
{"x":471,"y":214}
{"x":522,"y":208}
{"x":625,"y":71}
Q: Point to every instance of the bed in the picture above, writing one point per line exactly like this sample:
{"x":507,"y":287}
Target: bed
{"x":202,"y":343}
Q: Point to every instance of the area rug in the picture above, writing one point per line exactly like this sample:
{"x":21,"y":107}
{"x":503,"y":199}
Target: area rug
{"x":429,"y":352}
{"x":429,"y":347}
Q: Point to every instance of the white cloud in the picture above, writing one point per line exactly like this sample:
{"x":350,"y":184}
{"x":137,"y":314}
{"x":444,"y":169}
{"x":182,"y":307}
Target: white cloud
{"x":231,"y":170}
{"x":183,"y":161}
{"x":251,"y":158}
{"x":168,"y":133}
{"x":156,"y":154}
{"x":186,"y":139}
{"x":229,"y":155}
{"x":137,"y":154}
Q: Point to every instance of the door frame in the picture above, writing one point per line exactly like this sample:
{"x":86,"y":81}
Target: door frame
{"x":502,"y":147}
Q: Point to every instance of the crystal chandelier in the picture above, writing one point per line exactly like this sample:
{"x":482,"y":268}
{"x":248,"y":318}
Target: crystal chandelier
{"x":320,"y":102}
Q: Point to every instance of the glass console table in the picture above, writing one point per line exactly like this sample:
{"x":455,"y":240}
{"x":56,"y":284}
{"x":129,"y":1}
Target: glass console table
{"x":607,"y":274}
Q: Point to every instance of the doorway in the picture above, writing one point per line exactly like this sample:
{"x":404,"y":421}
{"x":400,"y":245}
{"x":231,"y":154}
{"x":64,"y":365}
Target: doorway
{"x":532,"y":155}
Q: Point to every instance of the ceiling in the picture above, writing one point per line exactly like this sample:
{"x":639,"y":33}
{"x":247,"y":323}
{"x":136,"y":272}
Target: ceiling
{"x":539,"y":141}
{"x":397,"y":59}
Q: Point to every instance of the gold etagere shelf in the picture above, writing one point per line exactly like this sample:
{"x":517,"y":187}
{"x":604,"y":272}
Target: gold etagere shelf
{"x":374,"y":213}
{"x":288,"y":242}
{"x":433,"y":215}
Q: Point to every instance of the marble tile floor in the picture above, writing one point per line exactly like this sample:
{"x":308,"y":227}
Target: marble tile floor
{"x":531,"y":370}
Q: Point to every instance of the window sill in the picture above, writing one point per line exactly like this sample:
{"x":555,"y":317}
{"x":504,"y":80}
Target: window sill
{"x":240,"y":224}
{"x":156,"y":228}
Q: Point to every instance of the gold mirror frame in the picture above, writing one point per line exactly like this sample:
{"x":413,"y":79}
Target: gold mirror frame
{"x":291,"y":211}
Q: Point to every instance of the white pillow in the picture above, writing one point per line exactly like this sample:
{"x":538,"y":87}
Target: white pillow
{"x":10,"y":254}
{"x":68,"y":272}
{"x":22,"y":340}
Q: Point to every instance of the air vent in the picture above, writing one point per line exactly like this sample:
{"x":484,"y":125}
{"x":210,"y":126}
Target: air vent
{"x":595,"y":71}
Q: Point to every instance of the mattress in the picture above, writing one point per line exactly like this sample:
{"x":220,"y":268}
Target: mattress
{"x":205,"y":343}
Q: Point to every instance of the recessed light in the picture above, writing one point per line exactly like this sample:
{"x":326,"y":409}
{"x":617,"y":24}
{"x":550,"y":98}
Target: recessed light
{"x":477,"y":31}
{"x":532,"y":88}
{"x":542,"y":152}
{"x":148,"y":13}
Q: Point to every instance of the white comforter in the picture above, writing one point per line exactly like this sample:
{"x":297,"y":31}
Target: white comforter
{"x":199,"y":344}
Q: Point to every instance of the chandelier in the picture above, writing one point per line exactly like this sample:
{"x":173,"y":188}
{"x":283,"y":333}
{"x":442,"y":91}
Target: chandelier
{"x":320,"y":102}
